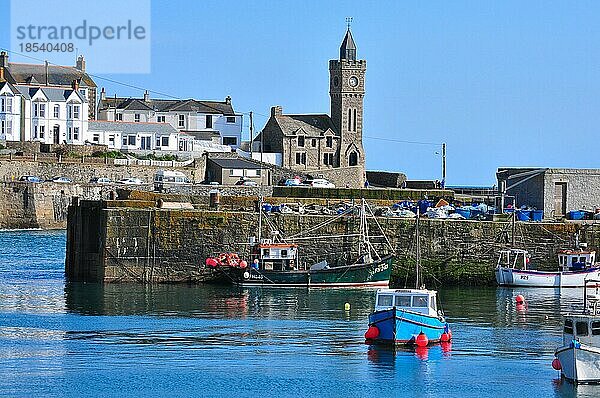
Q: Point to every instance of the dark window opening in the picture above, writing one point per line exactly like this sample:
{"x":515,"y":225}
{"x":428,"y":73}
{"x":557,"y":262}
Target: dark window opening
{"x":353,"y":160}
{"x":581,"y":328}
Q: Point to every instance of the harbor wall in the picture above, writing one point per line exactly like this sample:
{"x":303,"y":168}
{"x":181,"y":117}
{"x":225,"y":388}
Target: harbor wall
{"x":132,"y":241}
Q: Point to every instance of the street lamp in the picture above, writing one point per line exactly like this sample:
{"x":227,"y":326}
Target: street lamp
{"x":443,"y":164}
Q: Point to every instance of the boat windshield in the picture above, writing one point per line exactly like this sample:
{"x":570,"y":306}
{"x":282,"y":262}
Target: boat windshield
{"x":402,"y":301}
{"x":420,"y":301}
{"x":385,"y":300}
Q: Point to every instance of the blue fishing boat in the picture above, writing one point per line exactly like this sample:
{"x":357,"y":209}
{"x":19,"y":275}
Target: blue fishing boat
{"x":408,"y":316}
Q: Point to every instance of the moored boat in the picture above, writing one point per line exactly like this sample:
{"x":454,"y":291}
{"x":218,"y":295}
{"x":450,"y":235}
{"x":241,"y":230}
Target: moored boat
{"x":578,"y":358}
{"x":408,"y":316}
{"x":274,"y":262}
{"x":574,"y":268}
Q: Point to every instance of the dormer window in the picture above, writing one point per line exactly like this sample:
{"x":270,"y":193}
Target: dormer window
{"x":137,"y":117}
{"x":329,"y":142}
{"x":301,"y":140}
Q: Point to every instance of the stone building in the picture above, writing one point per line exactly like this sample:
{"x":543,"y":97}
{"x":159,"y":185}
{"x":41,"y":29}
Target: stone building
{"x":556,"y":191}
{"x":321,"y":142}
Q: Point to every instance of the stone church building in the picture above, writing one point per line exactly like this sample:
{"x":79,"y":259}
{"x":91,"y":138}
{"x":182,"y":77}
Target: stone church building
{"x":320,"y":144}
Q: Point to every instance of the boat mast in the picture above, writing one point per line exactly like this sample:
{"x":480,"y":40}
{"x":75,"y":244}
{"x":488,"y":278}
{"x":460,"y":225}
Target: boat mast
{"x":260,"y":200}
{"x":418,"y":253}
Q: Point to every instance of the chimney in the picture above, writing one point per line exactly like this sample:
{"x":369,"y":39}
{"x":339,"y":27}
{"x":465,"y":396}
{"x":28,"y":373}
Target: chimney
{"x":102,"y":94}
{"x":228,"y":100}
{"x":146,"y":96}
{"x":276,"y":110}
{"x":47,"y":78}
{"x":80,"y":64}
{"x":2,"y":79}
{"x":4,"y":59}
{"x":75,"y":85}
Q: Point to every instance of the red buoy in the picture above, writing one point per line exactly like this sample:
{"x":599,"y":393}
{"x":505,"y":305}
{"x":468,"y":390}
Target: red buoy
{"x":421,"y":340}
{"x":520,"y":299}
{"x":211,"y":262}
{"x":243,"y":264}
{"x":372,"y":332}
{"x":556,"y":364}
{"x":444,"y":337}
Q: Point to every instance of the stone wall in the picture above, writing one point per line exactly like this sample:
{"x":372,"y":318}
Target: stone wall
{"x":109,"y":242}
{"x":386,"y":178}
{"x":11,"y":170}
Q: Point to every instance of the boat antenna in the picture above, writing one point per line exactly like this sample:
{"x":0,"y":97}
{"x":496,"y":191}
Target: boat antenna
{"x":418,"y":252}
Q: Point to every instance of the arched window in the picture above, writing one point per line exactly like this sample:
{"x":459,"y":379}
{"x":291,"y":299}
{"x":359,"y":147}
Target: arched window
{"x":353,"y":159}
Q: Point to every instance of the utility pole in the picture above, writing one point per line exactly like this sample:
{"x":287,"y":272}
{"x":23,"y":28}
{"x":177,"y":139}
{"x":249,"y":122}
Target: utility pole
{"x":251,"y":134}
{"x":443,"y":165}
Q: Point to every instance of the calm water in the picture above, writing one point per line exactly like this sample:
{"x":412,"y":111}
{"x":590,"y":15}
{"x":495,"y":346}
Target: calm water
{"x":127,"y":340}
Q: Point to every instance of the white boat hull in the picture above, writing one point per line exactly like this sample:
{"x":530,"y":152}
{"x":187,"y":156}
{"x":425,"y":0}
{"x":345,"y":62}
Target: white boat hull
{"x":514,"y":277}
{"x":580,"y":364}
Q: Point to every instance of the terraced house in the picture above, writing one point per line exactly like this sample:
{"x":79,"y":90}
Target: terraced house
{"x":198,"y":121}
{"x":46,"y":103}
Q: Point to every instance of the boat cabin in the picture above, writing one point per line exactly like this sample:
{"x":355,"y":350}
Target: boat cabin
{"x":574,"y":260}
{"x":275,"y":256}
{"x":414,"y":300}
{"x":513,"y":258}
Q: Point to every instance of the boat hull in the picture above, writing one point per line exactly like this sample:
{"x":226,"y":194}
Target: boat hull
{"x":375,"y":274}
{"x":580,"y":363}
{"x":397,"y":326}
{"x":515,"y":277}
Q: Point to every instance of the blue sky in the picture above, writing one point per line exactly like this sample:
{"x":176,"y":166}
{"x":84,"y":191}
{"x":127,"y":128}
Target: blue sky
{"x":503,"y":84}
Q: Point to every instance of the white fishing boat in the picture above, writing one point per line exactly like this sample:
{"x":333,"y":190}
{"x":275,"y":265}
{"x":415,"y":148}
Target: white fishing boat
{"x":578,"y":358}
{"x":574,"y":268}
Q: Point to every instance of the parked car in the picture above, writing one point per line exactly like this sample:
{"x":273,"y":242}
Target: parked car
{"x":168,"y":179}
{"x":292,"y":182}
{"x":131,"y":181}
{"x":100,"y":180}
{"x":30,"y":179}
{"x":61,"y":180}
{"x":244,"y":181}
{"x":320,"y":183}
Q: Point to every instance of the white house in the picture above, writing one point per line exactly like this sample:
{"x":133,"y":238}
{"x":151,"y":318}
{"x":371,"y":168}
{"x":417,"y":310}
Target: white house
{"x":130,"y":136}
{"x":202,"y":120}
{"x":50,"y":115}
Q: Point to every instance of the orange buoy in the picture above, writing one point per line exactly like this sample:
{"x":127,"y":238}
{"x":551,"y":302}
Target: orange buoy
{"x":520,"y":299}
{"x":372,"y":332}
{"x":421,"y":340}
{"x":556,"y":364}
{"x":445,"y":337}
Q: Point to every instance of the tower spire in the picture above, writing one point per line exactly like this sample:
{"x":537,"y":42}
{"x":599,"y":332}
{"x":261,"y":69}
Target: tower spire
{"x":348,"y":47}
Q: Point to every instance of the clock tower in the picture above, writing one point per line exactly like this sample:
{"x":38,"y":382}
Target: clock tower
{"x":347,"y":90}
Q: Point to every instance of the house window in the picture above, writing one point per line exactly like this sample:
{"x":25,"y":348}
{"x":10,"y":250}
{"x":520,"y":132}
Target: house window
{"x":5,"y":104}
{"x":313,"y":143}
{"x":75,"y":133}
{"x":111,"y":139}
{"x":42,"y":131}
{"x":75,"y":112}
{"x":329,"y":142}
{"x":70,"y":133}
{"x":181,"y":121}
{"x":160,"y":119}
{"x":301,"y":158}
{"x":5,"y":128}
{"x":119,"y":116}
{"x":131,"y":140}
{"x":157,"y":141}
{"x":35,"y":132}
{"x":236,"y":172}
{"x":253,"y":172}
{"x":230,"y":119}
{"x":39,"y":109}
{"x":165,"y":141}
{"x":125,"y":140}
{"x":137,"y":117}
{"x":56,"y":111}
{"x":209,"y":123}
{"x":301,"y":141}
{"x":96,"y":138}
{"x":82,"y":92}
{"x":229,"y":141}
{"x":328,"y":159}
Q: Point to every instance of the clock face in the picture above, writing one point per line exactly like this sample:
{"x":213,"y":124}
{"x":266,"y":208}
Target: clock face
{"x":353,"y":81}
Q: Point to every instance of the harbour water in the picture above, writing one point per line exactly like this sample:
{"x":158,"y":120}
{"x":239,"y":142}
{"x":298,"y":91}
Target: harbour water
{"x":71,"y":340}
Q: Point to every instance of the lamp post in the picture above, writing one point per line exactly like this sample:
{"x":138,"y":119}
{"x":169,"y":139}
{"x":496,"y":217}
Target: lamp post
{"x":443,"y":182}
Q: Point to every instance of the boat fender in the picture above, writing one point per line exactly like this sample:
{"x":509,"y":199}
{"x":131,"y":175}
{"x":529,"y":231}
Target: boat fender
{"x":520,"y":299}
{"x":421,"y":340}
{"x":445,"y":337}
{"x":243,"y":264}
{"x":246,"y":275}
{"x":372,"y":333}
{"x":556,"y":364}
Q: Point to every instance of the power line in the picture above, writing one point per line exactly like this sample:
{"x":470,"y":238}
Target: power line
{"x":403,"y":141}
